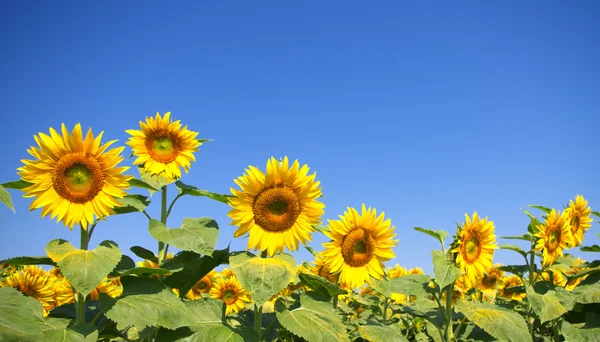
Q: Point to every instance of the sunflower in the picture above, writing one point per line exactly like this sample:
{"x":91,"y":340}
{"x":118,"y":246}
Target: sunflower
{"x":396,"y":271}
{"x":63,"y":291}
{"x":34,"y":282}
{"x":278,"y":208}
{"x":579,"y":218}
{"x":578,"y":266}
{"x":74,"y":178}
{"x":162,"y":146}
{"x":232,"y":293}
{"x":360,"y":244}
{"x":110,"y":286}
{"x":554,"y":236}
{"x":202,"y":286}
{"x":491,"y":279}
{"x":462,"y":285}
{"x":475,"y":246}
{"x":551,"y":276}
{"x":416,"y":270}
{"x":321,"y":268}
{"x":152,"y":264}
{"x":227,"y":273}
{"x":506,"y":283}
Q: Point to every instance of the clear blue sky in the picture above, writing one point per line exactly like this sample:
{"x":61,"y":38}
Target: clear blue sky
{"x":426,"y":111}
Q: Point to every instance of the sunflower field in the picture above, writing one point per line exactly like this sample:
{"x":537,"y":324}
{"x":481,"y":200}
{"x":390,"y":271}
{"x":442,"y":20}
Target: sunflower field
{"x":345,"y":293}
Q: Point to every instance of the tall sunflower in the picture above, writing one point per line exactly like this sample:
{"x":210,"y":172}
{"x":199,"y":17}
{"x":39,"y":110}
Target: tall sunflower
{"x":491,"y":279}
{"x":474,"y":246}
{"x":360,"y":244}
{"x":554,"y":236}
{"x":202,"y":286}
{"x":579,"y":218}
{"x":34,"y":282}
{"x":277,"y":208}
{"x":321,"y":268}
{"x":163,"y":147}
{"x":74,"y":178}
{"x":232,"y":293}
{"x":506,"y":283}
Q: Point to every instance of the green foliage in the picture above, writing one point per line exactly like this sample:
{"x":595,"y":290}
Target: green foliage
{"x":515,"y":269}
{"x":593,"y":248}
{"x":193,"y":191}
{"x":263,"y":277}
{"x":85,"y":269}
{"x":546,"y":306}
{"x":573,"y":333}
{"x":541,"y":207}
{"x":413,"y":284}
{"x":320,"y":285}
{"x":144,"y":253}
{"x":375,"y":333}
{"x":16,"y":185}
{"x":526,"y":237}
{"x":196,"y":234}
{"x":501,"y":323}
{"x":138,"y":183}
{"x":514,"y":248}
{"x":25,"y":260}
{"x":146,"y":302}
{"x":440,"y":235}
{"x":586,"y":294}
{"x":5,"y":198}
{"x":444,"y":269}
{"x":132,"y":204}
{"x":315,"y":320}
{"x":19,"y":316}
{"x":194,"y":269}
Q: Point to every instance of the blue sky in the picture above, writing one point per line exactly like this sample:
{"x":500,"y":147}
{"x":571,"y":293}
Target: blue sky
{"x":423,"y":110}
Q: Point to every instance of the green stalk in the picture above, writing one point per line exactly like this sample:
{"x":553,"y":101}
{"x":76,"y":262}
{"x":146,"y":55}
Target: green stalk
{"x":80,"y":307}
{"x":335,"y":298}
{"x":163,"y":219}
{"x":449,"y":293}
{"x":257,"y":319}
{"x":531,"y":319}
{"x":386,"y":303}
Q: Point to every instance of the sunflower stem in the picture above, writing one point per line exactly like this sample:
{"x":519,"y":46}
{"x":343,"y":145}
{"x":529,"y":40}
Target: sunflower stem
{"x":335,"y":298}
{"x":386,"y":303}
{"x":531,"y":318}
{"x":449,"y":293}
{"x":163,"y":219}
{"x":257,"y":319}
{"x":80,"y":307}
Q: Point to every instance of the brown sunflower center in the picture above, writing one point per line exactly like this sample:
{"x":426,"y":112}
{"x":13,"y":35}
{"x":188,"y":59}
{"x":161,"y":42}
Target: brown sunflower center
{"x":229,"y":297}
{"x":163,"y":146}
{"x":204,"y":285}
{"x":276,"y":208}
{"x":575,"y":223}
{"x":554,"y":237}
{"x":489,"y":281}
{"x":471,"y":249}
{"x":358,"y":247}
{"x":77,"y":178}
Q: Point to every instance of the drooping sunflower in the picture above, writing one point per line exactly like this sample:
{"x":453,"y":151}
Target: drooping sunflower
{"x":491,"y":279}
{"x":35,"y":282}
{"x":202,"y":286}
{"x":63,"y":291}
{"x":578,"y":266}
{"x":321,"y":268}
{"x":506,"y":283}
{"x":110,"y":286}
{"x":277,"y":208}
{"x":360,"y":244}
{"x":579,"y":218}
{"x":232,"y":293}
{"x":554,"y":236}
{"x":474,"y":246}
{"x":163,"y":147}
{"x":74,"y":178}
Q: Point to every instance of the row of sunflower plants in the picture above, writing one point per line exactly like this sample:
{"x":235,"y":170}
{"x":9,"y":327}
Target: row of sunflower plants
{"x":74,"y":292}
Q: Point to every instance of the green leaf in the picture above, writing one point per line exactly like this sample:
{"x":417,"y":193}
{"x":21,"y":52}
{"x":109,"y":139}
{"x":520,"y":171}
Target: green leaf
{"x":146,"y":302}
{"x":263,"y":277}
{"x":546,"y":306}
{"x":315,"y":320}
{"x":540,"y":207}
{"x":374,"y":333}
{"x":583,"y":273}
{"x":144,"y":271}
{"x":310,"y":250}
{"x":205,"y":312}
{"x":144,"y":253}
{"x":126,"y":263}
{"x":216,"y":333}
{"x":526,"y":237}
{"x":25,"y":260}
{"x":444,"y":270}
{"x":574,"y":334}
{"x":196,"y":234}
{"x":413,"y":284}
{"x":593,"y":248}
{"x":5,"y":198}
{"x":85,"y":269}
{"x":382,"y":286}
{"x":132,"y":204}
{"x":586,"y":294}
{"x":320,"y":285}
{"x":19,"y":316}
{"x":194,"y":269}
{"x":193,"y":191}
{"x":320,"y":228}
{"x":595,"y":213}
{"x":440,"y":235}
{"x":501,"y":323}
{"x":16,"y":185}
{"x":76,"y":333}
{"x":515,"y":269}
{"x":514,"y":248}
{"x":138,"y":183}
